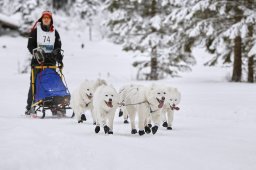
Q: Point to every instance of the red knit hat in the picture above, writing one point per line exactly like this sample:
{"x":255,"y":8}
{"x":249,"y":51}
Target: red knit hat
{"x":48,"y":13}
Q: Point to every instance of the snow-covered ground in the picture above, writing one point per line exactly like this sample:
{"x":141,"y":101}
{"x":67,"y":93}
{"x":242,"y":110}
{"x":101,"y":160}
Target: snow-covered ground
{"x":214,"y":130}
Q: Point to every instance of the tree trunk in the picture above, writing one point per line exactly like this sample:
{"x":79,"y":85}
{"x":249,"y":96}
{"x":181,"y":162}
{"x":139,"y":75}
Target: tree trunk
{"x":251,"y":69}
{"x":154,"y":62}
{"x":237,"y":66}
{"x":250,"y":59}
{"x":153,"y":73}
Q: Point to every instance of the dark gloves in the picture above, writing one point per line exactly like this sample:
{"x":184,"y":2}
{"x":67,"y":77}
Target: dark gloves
{"x":39,"y":55}
{"x":57,"y":55}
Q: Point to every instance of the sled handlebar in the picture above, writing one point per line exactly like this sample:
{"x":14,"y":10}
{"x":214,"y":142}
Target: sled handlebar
{"x":44,"y":67}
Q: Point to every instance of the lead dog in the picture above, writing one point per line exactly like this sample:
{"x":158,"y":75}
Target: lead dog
{"x":105,"y":103}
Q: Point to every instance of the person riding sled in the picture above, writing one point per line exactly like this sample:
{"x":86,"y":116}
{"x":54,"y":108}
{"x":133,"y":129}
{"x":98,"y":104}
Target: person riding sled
{"x":45,"y":36}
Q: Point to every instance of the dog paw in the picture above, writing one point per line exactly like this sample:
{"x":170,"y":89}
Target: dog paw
{"x":154,"y":129}
{"x":97,"y":129}
{"x":141,"y":132}
{"x":169,"y":128}
{"x":126,"y":121}
{"x":121,"y":113}
{"x":80,"y":121}
{"x":134,"y":131}
{"x":147,"y":130}
{"x":165,"y":124}
{"x":150,"y":125}
{"x":106,"y":129}
{"x":110,"y":132}
{"x":83,"y":117}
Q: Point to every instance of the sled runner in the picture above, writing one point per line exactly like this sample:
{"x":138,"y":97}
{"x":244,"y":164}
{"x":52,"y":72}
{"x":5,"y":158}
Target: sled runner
{"x":48,"y":89}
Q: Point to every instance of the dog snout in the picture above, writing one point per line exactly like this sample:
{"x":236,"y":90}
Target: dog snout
{"x":163,"y":98}
{"x":110,"y":100}
{"x":90,"y":94}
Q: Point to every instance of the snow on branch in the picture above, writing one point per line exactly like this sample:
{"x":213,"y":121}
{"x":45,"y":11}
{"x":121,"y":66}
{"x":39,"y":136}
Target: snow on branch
{"x":8,"y":21}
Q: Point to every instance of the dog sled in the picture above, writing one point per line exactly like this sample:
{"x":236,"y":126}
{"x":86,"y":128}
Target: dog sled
{"x":49,"y":88}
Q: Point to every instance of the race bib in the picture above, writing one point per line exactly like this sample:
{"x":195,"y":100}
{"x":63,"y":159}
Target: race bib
{"x":45,"y":40}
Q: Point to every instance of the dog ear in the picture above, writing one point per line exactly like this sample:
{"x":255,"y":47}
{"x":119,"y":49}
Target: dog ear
{"x":103,"y":82}
{"x":100,"y":82}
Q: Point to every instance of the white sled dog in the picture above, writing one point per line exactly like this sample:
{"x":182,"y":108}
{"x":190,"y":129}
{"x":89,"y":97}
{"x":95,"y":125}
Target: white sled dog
{"x":123,"y":94}
{"x":172,"y":100}
{"x":105,"y":103}
{"x":148,"y":102}
{"x":82,"y":97}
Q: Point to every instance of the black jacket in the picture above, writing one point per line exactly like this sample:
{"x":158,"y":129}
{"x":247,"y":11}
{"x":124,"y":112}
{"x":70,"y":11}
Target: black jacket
{"x":32,"y":44}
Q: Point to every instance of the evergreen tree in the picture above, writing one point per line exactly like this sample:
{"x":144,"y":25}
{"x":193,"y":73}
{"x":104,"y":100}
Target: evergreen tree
{"x":223,"y":27}
{"x":141,"y":26}
{"x":9,"y":7}
{"x":27,"y":9}
{"x":86,"y":10}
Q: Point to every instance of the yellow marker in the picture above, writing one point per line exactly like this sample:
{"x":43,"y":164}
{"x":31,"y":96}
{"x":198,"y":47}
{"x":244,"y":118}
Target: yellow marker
{"x":33,"y":83}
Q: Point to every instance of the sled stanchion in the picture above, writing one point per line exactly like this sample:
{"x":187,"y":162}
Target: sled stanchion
{"x":33,"y":83}
{"x":61,"y":74}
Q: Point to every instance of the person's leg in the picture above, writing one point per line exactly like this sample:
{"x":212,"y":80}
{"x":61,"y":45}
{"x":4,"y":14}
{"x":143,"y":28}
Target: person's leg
{"x":30,"y":95}
{"x":30,"y":98}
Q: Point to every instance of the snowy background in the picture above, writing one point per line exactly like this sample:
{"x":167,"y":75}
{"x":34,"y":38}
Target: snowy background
{"x":214,"y":130}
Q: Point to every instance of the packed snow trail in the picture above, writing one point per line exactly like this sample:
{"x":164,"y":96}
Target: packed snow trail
{"x":215,"y":128}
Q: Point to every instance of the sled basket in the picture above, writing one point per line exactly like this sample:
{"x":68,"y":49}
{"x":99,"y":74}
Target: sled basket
{"x":49,"y":85}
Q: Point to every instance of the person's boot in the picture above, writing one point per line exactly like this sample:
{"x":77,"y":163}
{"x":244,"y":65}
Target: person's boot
{"x":27,"y":112}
